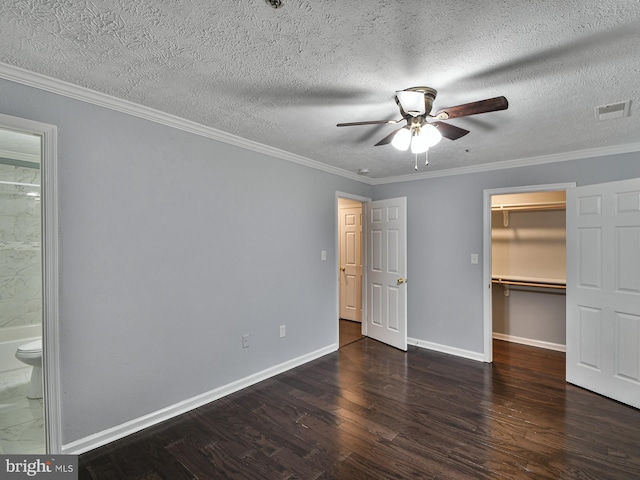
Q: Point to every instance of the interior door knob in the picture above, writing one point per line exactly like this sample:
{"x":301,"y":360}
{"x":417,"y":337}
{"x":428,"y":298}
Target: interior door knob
{"x":402,"y":280}
{"x":342,"y":269}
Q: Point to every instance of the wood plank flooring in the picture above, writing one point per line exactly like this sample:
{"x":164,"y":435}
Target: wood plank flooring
{"x":349,"y":332}
{"x":369,"y":411}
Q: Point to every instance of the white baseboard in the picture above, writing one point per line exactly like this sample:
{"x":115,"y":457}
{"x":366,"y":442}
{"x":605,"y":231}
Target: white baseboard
{"x":106,"y":436}
{"x":531,"y":342}
{"x":458,"y":352}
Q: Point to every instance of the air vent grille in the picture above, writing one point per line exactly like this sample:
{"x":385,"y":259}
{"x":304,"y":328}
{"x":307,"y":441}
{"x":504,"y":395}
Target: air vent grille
{"x":613,"y":110}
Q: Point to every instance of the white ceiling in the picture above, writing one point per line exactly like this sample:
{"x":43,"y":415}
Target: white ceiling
{"x":284,"y":77}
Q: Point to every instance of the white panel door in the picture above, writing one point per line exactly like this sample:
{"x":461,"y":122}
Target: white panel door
{"x":350,"y":230}
{"x":387,"y":272}
{"x":603,"y":289}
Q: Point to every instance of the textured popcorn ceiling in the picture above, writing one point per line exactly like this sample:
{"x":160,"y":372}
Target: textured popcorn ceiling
{"x":285,"y":77}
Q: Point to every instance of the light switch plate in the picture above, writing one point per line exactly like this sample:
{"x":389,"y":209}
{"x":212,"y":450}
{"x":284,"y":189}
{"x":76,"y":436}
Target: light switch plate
{"x":474,"y":258}
{"x":323,"y":255}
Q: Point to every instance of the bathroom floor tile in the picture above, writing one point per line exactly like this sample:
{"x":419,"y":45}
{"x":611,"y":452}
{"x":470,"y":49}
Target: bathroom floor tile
{"x":21,"y":418}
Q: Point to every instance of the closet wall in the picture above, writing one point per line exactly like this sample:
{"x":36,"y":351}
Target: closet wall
{"x":528,"y":268}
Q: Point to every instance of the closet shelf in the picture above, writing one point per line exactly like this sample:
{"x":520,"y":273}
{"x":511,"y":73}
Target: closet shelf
{"x":529,"y":283}
{"x":530,"y":206}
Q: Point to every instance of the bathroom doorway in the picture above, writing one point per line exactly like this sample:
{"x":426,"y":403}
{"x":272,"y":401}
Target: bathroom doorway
{"x":22,"y":413}
{"x":29,"y":406}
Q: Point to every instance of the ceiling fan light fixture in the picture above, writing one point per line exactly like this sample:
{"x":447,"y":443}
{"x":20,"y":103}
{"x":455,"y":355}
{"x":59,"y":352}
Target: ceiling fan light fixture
{"x":402,"y":139}
{"x":411,"y":102}
{"x":419,"y":144}
{"x":415,"y":105}
{"x":431,"y":134}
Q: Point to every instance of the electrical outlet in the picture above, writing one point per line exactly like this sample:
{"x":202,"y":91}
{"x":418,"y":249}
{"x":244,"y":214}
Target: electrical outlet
{"x":283,"y":330}
{"x":245,"y":341}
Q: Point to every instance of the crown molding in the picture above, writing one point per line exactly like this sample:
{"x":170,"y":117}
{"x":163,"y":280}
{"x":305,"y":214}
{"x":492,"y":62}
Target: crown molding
{"x":523,"y":162}
{"x":60,"y":87}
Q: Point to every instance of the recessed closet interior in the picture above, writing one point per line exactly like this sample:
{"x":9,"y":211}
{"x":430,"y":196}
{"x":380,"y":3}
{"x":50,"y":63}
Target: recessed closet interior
{"x":528,"y":268}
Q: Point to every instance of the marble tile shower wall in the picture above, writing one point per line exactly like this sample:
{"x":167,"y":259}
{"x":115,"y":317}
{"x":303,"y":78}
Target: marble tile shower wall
{"x":20,"y":265}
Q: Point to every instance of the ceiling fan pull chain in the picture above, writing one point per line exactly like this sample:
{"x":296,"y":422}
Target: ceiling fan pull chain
{"x":416,"y":162}
{"x":426,"y":158}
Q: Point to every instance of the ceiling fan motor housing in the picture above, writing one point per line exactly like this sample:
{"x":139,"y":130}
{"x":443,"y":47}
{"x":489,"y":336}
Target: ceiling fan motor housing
{"x":429,"y":96}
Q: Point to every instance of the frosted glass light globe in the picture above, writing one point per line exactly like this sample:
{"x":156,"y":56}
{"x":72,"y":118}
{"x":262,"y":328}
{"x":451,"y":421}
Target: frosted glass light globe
{"x":402,"y":139}
{"x":419,"y":144}
{"x":431,"y":135}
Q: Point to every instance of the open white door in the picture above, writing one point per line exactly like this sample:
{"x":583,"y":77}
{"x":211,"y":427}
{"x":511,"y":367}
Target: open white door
{"x":603,"y":289}
{"x":387,"y":272}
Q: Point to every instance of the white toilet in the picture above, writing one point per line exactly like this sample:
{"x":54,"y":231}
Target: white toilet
{"x":31,"y":354}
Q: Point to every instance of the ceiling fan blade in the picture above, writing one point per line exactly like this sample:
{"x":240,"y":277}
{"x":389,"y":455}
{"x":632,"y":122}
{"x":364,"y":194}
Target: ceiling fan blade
{"x":386,"y":140}
{"x":371,"y":122}
{"x":473,"y":108}
{"x":450,"y":131}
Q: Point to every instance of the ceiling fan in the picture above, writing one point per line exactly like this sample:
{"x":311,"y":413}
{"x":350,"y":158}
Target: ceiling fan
{"x":424,"y":130}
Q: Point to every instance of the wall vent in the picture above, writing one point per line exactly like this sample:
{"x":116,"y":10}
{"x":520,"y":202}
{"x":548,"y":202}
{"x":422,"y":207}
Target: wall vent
{"x":613,"y":110}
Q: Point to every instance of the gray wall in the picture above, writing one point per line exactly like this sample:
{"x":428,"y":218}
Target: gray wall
{"x":445,"y":225}
{"x":172,"y":247}
{"x":533,"y":313}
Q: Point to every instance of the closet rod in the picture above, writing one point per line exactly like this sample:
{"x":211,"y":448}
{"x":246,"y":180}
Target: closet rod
{"x":538,"y":206}
{"x":528,"y":284}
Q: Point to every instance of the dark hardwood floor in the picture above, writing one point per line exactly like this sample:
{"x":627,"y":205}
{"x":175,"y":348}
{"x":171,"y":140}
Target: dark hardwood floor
{"x":369,"y":411}
{"x":349,"y":332}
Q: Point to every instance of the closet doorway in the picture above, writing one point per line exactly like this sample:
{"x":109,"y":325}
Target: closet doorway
{"x":525,"y":266}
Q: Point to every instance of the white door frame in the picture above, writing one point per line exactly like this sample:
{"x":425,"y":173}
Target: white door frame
{"x":486,"y":254}
{"x":365,"y":223}
{"x":50,"y":308}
